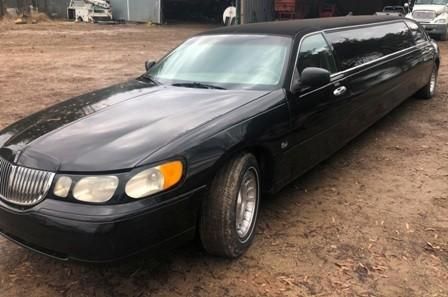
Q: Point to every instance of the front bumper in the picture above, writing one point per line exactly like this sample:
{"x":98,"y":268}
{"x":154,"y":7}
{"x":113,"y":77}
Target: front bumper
{"x":61,"y":230}
{"x":435,"y":29}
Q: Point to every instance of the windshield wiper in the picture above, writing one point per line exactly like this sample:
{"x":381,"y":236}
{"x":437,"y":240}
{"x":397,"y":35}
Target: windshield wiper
{"x":150,"y":78}
{"x":198,"y":85}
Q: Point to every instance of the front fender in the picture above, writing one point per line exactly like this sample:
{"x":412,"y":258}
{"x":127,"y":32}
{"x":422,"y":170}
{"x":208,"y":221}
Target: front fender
{"x":260,"y":125}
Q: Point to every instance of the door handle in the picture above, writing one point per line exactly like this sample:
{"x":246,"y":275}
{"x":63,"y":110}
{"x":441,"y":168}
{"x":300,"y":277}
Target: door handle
{"x":340,"y":91}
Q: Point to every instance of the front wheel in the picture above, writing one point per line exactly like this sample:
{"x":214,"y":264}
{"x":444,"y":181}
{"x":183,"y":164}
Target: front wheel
{"x":429,"y":90}
{"x":230,"y":212}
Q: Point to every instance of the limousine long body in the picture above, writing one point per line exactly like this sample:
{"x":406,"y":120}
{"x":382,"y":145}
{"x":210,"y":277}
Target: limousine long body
{"x":188,"y":148}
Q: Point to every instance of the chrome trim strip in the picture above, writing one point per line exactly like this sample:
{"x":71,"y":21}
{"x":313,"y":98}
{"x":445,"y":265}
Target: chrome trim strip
{"x":376,"y":60}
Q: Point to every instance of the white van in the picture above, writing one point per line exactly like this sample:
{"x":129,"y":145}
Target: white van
{"x":433,"y":15}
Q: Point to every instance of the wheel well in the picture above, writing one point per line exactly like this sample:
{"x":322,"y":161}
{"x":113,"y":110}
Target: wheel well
{"x":266,"y":164}
{"x":264,"y":159}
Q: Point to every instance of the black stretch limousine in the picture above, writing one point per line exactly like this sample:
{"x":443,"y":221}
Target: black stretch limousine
{"x":187,"y":148}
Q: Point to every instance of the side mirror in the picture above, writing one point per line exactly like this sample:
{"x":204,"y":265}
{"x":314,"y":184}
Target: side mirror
{"x":312,"y":77}
{"x":149,"y":65}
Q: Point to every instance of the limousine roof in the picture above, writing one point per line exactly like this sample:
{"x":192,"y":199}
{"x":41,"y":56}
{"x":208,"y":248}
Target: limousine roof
{"x":300,"y":27}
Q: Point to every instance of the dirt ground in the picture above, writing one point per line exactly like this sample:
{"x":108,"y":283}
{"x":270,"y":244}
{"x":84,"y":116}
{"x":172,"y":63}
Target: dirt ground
{"x":371,"y":221}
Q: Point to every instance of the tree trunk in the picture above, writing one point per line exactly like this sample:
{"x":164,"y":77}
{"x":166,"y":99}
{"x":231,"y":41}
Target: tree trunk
{"x":2,"y":8}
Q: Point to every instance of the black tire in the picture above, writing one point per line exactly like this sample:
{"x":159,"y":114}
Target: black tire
{"x":428,"y":91}
{"x":218,"y":225}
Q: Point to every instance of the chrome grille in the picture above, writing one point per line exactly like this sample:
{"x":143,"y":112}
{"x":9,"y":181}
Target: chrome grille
{"x":424,"y":15}
{"x":23,"y":186}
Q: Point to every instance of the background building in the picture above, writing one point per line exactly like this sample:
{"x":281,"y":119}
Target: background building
{"x":163,"y":11}
{"x":54,"y":8}
{"x":169,"y":11}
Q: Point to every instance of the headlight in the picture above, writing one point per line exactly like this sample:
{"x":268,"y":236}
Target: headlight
{"x":62,"y":187}
{"x":95,"y":189}
{"x":154,"y":180}
{"x":440,"y":21}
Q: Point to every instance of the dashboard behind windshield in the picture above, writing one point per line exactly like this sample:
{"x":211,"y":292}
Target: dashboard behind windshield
{"x":227,"y":61}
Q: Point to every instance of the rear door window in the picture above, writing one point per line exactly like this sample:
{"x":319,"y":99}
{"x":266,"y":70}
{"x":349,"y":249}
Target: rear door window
{"x":354,"y":47}
{"x":315,"y":52}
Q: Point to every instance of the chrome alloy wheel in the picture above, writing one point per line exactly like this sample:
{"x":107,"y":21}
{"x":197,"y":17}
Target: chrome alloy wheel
{"x":433,"y":83}
{"x":247,"y":204}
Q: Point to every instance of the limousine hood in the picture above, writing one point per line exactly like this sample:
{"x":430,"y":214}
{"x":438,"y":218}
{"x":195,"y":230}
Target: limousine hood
{"x":114,"y":128}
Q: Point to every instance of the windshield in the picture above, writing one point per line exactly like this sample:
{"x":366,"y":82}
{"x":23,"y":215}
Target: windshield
{"x":226,"y":61}
{"x":434,"y":2}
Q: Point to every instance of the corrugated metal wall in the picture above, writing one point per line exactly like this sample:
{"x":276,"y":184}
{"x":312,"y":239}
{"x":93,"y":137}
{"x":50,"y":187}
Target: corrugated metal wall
{"x":55,"y":8}
{"x":144,"y":10}
{"x":253,"y":11}
{"x":139,"y":10}
{"x":119,"y":9}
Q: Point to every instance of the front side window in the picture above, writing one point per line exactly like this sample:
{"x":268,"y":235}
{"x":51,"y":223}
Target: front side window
{"x":417,"y":33}
{"x":227,"y":61}
{"x":315,"y":52}
{"x":355,"y":47}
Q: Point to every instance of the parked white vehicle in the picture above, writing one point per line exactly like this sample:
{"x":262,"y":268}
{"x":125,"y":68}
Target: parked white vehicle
{"x":433,"y":15}
{"x":90,"y":11}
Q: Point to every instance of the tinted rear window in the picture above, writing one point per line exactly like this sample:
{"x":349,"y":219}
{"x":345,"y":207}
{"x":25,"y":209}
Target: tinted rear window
{"x":354,"y":47}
